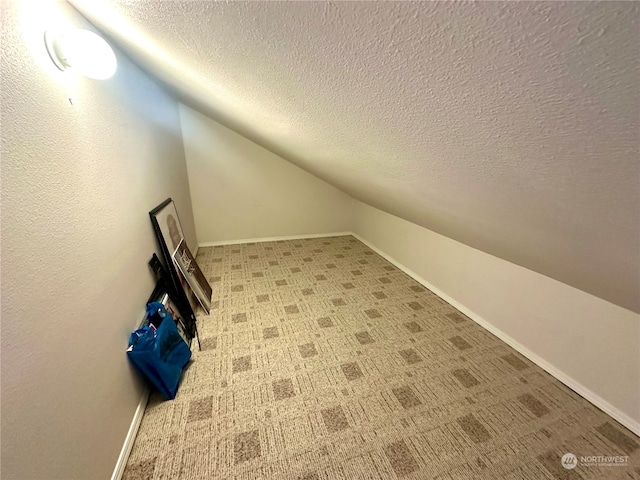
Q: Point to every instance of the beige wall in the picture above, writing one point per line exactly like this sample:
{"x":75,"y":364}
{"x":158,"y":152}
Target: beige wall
{"x":240,"y":190}
{"x":591,"y":344}
{"x":78,"y":182}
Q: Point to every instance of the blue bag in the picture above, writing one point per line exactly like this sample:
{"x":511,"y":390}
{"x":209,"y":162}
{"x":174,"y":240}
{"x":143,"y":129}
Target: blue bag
{"x":159,"y":353}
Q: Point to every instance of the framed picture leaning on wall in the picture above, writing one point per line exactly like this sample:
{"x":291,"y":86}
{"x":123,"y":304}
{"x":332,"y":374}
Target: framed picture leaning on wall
{"x":191,"y":271}
{"x":168,"y":230}
{"x":165,"y":218}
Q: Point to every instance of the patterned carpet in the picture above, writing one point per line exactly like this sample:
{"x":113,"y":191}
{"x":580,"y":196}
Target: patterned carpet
{"x":321,"y":360}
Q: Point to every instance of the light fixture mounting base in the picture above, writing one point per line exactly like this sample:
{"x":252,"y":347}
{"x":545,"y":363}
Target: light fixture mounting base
{"x":52,"y":42}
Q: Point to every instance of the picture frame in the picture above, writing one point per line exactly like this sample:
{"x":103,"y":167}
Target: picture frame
{"x":169,"y":232}
{"x":165,"y":218}
{"x":161,"y":294}
{"x":190,"y":270}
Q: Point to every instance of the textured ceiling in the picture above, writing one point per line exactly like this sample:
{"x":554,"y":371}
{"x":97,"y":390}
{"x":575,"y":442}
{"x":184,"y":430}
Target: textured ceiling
{"x":511,"y":127}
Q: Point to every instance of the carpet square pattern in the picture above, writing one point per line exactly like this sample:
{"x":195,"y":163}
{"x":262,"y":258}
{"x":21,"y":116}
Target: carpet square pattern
{"x":321,"y":360}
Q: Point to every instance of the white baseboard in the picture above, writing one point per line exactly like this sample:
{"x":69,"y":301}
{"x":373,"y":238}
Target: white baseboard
{"x":580,"y":389}
{"x":273,"y":239}
{"x":118,"y":471}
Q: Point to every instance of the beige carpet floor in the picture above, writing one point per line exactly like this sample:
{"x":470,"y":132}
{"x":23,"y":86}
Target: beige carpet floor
{"x":321,"y":360}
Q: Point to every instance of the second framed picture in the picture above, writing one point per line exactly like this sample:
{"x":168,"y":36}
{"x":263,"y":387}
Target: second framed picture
{"x":195,"y":278}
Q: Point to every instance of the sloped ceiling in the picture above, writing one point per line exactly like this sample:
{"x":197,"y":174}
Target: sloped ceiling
{"x":511,"y":127}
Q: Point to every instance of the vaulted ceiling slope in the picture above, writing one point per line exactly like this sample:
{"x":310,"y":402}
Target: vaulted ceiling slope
{"x":511,"y":127}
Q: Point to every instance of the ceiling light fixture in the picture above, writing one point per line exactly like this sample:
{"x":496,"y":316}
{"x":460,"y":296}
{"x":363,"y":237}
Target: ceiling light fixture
{"x":82,"y":51}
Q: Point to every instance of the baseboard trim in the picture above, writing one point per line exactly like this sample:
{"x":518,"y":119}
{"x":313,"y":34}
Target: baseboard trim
{"x":273,"y":239}
{"x":574,"y":385}
{"x":131,"y":436}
